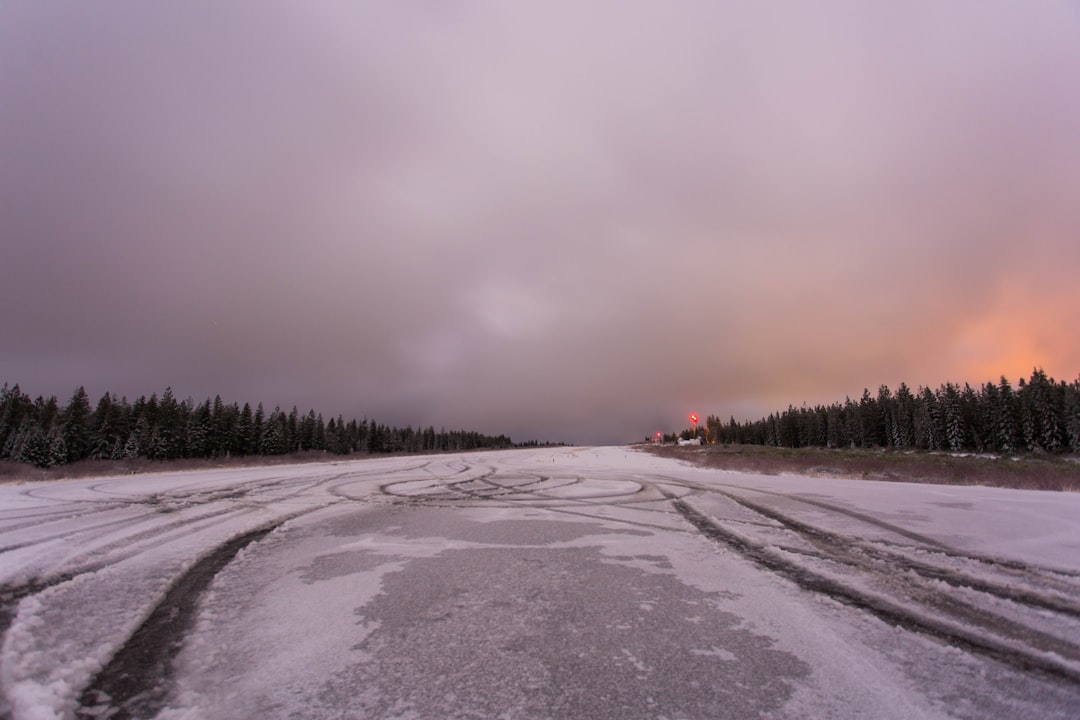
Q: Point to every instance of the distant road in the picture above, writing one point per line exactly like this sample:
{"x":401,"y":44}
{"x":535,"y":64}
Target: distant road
{"x":544,"y":583}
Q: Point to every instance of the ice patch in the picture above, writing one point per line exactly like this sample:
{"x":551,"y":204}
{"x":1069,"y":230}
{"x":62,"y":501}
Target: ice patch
{"x":717,"y":652}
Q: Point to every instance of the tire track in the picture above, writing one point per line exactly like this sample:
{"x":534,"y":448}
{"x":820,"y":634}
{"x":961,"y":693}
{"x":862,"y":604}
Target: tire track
{"x":486,"y":488}
{"x":1057,"y":578}
{"x":158,"y":502}
{"x":12,"y":595}
{"x":51,"y":514}
{"x":927,"y":609}
{"x":52,"y":537}
{"x":138,"y":679}
{"x":101,"y":557}
{"x":854,"y":514}
{"x":845,"y":545}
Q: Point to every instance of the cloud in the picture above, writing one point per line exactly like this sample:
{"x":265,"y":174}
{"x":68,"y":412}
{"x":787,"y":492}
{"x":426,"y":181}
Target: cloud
{"x":554,"y":221}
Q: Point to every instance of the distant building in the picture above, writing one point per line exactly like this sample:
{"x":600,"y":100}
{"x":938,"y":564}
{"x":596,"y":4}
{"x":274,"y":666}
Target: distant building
{"x":691,"y":441}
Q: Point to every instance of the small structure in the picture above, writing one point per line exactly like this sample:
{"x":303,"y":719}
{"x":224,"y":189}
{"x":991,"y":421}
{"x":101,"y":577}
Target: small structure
{"x":691,"y":441}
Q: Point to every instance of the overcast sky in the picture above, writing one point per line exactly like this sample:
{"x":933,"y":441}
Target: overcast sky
{"x":569,"y":221}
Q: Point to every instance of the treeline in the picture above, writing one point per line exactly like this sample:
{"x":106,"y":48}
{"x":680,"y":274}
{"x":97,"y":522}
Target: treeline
{"x":1040,"y":415}
{"x":44,"y":433}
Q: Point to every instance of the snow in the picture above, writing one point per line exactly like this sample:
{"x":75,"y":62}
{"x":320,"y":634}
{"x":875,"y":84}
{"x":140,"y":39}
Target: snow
{"x":298,"y":619}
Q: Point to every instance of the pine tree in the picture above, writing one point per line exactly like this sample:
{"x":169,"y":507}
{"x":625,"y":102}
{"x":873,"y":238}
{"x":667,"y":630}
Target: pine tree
{"x":274,"y":440}
{"x":292,"y":430}
{"x":320,"y":433}
{"x":145,"y":412}
{"x":259,"y":425}
{"x":74,"y":427}
{"x":949,"y":402}
{"x":30,"y":445}
{"x":199,"y":430}
{"x":1027,"y":421}
{"x":131,"y":446}
{"x":929,"y":432}
{"x":851,"y":423}
{"x":351,"y":441}
{"x":169,"y":430}
{"x":1046,"y":410}
{"x":835,"y":435}
{"x":1007,"y":430}
{"x":904,"y":422}
{"x":973,"y":417}
{"x":332,"y":439}
{"x":16,"y":408}
{"x":306,"y":437}
{"x":57,"y":452}
{"x":219,"y":432}
{"x":247,"y":437}
{"x":374,"y":438}
{"x":47,"y":412}
{"x":1072,"y":415}
{"x":143,"y":441}
{"x":107,"y":432}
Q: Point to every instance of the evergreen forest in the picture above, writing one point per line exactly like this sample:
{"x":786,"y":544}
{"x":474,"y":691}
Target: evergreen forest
{"x":44,"y":433}
{"x":1039,"y":415}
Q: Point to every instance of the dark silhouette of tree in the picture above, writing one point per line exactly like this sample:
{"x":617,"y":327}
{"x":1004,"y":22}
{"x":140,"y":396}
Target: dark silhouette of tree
{"x":109,"y":428}
{"x":75,"y":426}
{"x":41,"y":432}
{"x":1040,"y":415}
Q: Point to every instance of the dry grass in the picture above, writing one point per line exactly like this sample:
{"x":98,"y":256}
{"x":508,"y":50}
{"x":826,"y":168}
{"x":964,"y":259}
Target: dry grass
{"x":1027,"y":472}
{"x":11,"y":472}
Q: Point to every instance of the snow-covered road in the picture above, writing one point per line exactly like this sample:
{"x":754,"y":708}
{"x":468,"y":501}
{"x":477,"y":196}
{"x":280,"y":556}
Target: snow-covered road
{"x":546,"y":583}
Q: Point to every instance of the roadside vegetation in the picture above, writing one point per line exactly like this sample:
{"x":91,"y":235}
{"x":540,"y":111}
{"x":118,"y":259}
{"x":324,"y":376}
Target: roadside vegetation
{"x":995,"y":434}
{"x":1029,"y":471}
{"x":1040,"y":415}
{"x":42,"y":433}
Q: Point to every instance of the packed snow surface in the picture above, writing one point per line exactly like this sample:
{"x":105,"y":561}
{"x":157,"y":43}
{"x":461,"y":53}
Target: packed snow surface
{"x":540,"y":583}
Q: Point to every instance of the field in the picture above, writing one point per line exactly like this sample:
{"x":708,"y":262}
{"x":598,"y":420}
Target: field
{"x":1025,"y":472}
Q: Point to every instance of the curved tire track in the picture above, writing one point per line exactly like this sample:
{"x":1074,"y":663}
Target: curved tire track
{"x":138,"y":679}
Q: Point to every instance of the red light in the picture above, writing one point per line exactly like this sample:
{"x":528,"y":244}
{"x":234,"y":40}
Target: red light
{"x":693,"y":418}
